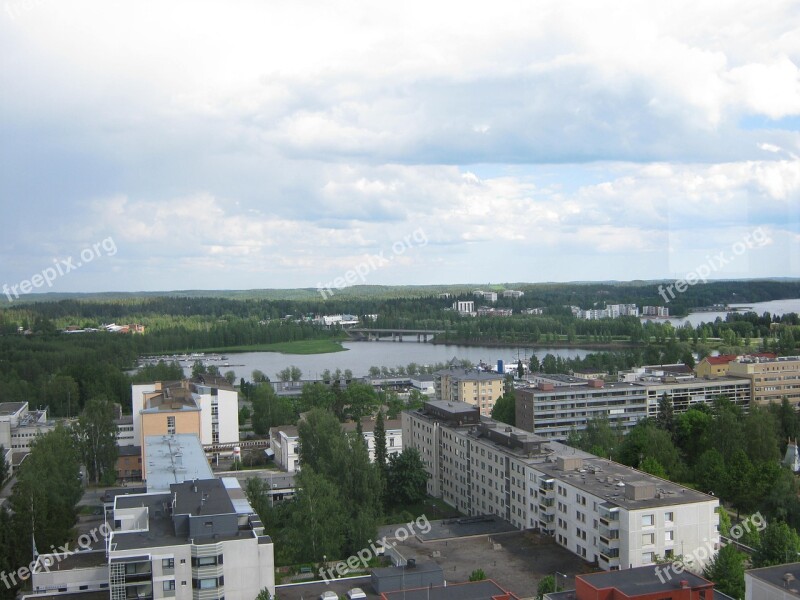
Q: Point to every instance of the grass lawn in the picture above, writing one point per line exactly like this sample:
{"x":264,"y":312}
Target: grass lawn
{"x":299,"y":347}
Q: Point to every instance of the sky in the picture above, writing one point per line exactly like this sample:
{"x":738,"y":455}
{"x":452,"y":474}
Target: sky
{"x":150,"y":146}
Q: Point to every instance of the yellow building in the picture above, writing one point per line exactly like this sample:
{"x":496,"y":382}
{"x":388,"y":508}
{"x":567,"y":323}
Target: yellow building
{"x":770,"y":378}
{"x":477,"y":388}
{"x":717,"y":366}
{"x":165,"y":411}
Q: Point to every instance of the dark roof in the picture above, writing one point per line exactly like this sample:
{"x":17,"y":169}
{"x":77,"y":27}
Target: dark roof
{"x":786,"y":577}
{"x":82,"y":595}
{"x":472,"y":590}
{"x":130,"y":450}
{"x":642,"y":580}
{"x":202,"y":497}
{"x":420,"y":567}
{"x":10,"y":408}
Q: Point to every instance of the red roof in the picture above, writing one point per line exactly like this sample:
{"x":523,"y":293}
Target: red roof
{"x":724,"y":359}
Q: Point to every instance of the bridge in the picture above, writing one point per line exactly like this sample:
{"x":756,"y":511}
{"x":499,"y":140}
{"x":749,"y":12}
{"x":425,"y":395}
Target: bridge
{"x":397,"y":334}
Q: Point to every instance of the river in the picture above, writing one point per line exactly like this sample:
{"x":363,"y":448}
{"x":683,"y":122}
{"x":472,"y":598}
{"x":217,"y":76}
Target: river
{"x":775,"y":307}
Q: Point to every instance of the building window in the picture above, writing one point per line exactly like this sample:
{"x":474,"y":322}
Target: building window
{"x":171,"y":425}
{"x":648,"y":521}
{"x":168,"y":563}
{"x":669,"y":536}
{"x":647,"y":557}
{"x":169,"y":585}
{"x":648,"y":539}
{"x":669,"y":516}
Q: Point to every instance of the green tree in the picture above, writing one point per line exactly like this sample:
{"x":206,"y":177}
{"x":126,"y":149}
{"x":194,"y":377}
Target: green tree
{"x":361,"y":400}
{"x":97,"y":438}
{"x":504,"y":409}
{"x":477,"y":575}
{"x":379,"y":434}
{"x":323,"y":444}
{"x":726,"y":570}
{"x":666,"y":416}
{"x":269,"y":409}
{"x":546,"y":585}
{"x":47,"y":491}
{"x":761,"y":434}
{"x":244,"y":414}
{"x":4,"y":467}
{"x":406,"y":478}
{"x":779,"y":544}
{"x":646,"y":440}
{"x":318,"y":528}
{"x":316,"y":395}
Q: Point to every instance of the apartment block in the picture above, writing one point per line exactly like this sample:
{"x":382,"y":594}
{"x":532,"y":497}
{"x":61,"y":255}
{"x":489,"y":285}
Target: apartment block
{"x":285,"y":441}
{"x":717,"y":366}
{"x":478,"y":388}
{"x":513,"y":294}
{"x":486,"y":296}
{"x":188,"y":536}
{"x":207,"y":406}
{"x":779,"y":582}
{"x":655,"y":311}
{"x":688,"y":392}
{"x":464,"y":307}
{"x":552,"y":411}
{"x":770,"y":378}
{"x":602,"y":511}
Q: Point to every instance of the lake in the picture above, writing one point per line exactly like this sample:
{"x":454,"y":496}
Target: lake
{"x":775,"y":307}
{"x":360,"y":356}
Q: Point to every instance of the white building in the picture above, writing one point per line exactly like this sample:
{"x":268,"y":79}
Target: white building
{"x":598,"y":509}
{"x":464,"y":307}
{"x":285,"y":441}
{"x":19,"y":426}
{"x":487,"y":296}
{"x":513,"y":294}
{"x":655,"y":311}
{"x":773,"y":583}
{"x":196,"y":538}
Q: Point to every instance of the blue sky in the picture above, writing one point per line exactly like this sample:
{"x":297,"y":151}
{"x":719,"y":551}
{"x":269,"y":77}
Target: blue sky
{"x":270,"y":145}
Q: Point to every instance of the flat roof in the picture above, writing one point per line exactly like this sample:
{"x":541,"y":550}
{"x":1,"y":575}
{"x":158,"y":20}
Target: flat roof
{"x":469,"y":590}
{"x":202,"y":497}
{"x":452,"y":406}
{"x":785,"y":577}
{"x":469,"y":374}
{"x":76,"y":560}
{"x":174,"y":459}
{"x":641,"y":580}
{"x":584,"y":387}
{"x":10,"y":408}
{"x":420,"y":567}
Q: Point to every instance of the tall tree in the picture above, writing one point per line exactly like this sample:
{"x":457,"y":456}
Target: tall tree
{"x":726,"y":570}
{"x":380,"y":442}
{"x":318,"y":529}
{"x":97,"y":437}
{"x":666,"y":415}
{"x":504,"y":409}
{"x":406,"y":478}
{"x":269,"y":409}
{"x":779,"y":544}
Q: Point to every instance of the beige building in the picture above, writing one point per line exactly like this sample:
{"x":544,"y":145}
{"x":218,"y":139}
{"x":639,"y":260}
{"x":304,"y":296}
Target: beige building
{"x":600,"y":510}
{"x":477,"y":388}
{"x":717,"y":366}
{"x":770,"y":378}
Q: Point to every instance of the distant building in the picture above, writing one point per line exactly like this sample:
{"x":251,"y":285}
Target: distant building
{"x":675,"y":371}
{"x":655,"y":311}
{"x":770,"y":378}
{"x":487,"y":296}
{"x":717,"y":366}
{"x":490,"y":311}
{"x":285,"y":441}
{"x":532,"y":311}
{"x":125,"y":434}
{"x":129,"y":463}
{"x":464,"y":307}
{"x":340,"y":320}
{"x":477,"y":388}
{"x":513,"y":294}
{"x":611,"y":311}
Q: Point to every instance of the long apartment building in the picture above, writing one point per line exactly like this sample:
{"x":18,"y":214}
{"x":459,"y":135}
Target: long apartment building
{"x":552,"y":411}
{"x":478,"y":388}
{"x":559,"y":404}
{"x":600,"y":510}
{"x":770,"y":378}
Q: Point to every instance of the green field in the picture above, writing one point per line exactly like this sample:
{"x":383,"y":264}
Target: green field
{"x":298,"y":347}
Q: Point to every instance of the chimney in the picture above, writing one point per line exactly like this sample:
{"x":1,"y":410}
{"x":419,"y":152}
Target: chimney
{"x":684,"y":584}
{"x":596,"y":383}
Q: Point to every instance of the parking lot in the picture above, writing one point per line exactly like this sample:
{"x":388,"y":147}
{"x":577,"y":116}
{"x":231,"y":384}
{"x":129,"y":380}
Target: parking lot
{"x":516,"y":560}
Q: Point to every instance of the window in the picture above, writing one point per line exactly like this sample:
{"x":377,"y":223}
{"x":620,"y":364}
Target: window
{"x":168,"y":563}
{"x":669,"y":536}
{"x":647,"y":557}
{"x":669,"y":553}
{"x":209,"y":583}
{"x":648,"y":539}
{"x":648,"y":521}
{"x":168,"y":585}
{"x":391,"y":442}
{"x":669,"y":516}
{"x":170,"y":425}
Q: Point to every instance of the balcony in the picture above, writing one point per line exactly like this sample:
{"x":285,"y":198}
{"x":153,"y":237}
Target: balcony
{"x":611,"y":533}
{"x":609,"y":554}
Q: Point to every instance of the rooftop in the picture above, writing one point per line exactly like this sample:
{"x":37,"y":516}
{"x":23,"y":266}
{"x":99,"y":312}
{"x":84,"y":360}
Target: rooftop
{"x":459,"y":374}
{"x":130,"y":450}
{"x":785,"y":577}
{"x":473,"y":590}
{"x":202,"y":497}
{"x":173,"y":459}
{"x":8,"y":409}
{"x":641,"y":581}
